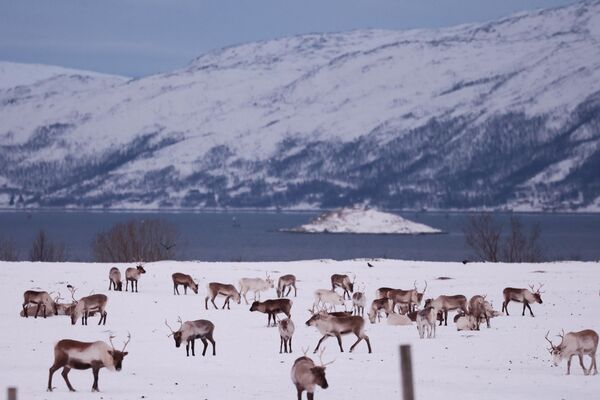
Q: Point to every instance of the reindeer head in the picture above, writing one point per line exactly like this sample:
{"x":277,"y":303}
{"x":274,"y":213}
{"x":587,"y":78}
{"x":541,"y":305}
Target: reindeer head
{"x":194,"y":286}
{"x":236,"y":296}
{"x":75,"y":310}
{"x":141,"y":269}
{"x":177,"y":335}
{"x":316,"y":317}
{"x":318,"y":372}
{"x":556,"y":351}
{"x":117,"y":355}
{"x":537,"y":294}
{"x":269,"y":281}
{"x":254,"y":306}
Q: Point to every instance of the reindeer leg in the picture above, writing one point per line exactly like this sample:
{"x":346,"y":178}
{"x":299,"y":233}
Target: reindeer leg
{"x":53,"y":369}
{"x":339,"y":339}
{"x":212,"y":300}
{"x":320,"y":341}
{"x":25,"y":310}
{"x":569,"y":364}
{"x":593,"y":364}
{"x":185,"y":289}
{"x":187,"y":348}
{"x":585,"y":371}
{"x":65,"y":373}
{"x":530,"y":312}
{"x":445,"y":317}
{"x":505,"y":306}
{"x":95,"y":370}
{"x":524,"y":306}
{"x":37,"y":310}
{"x":205,"y":343}
{"x":310,"y":395}
{"x":280,"y":344}
{"x":299,"y":392}
{"x":194,"y":347}
{"x":126,"y":284}
{"x":244,"y":296}
{"x":175,"y":291}
{"x":290,"y":348}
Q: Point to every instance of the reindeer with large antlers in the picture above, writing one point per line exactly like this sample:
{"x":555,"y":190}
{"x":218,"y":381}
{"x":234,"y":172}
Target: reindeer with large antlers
{"x":575,"y":343}
{"x":190,"y":331}
{"x":522,"y":296}
{"x":409,"y":297}
{"x":70,"y":354}
{"x":306,"y":375}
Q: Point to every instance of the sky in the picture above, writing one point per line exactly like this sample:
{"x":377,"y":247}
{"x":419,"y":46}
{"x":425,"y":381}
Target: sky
{"x":142,"y":37}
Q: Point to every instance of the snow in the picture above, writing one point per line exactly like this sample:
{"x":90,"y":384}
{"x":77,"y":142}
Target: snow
{"x":510,"y":359}
{"x":359,"y":219}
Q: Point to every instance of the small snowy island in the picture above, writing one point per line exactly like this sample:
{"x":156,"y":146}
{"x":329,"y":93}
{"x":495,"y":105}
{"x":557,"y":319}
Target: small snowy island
{"x":360,"y":219}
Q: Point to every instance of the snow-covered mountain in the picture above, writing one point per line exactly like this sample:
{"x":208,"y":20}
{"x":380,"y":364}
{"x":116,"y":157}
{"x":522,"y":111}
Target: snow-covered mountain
{"x":500,"y":114}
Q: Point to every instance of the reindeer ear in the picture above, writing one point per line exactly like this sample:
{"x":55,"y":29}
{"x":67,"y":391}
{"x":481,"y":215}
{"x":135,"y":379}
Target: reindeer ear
{"x":124,"y":354}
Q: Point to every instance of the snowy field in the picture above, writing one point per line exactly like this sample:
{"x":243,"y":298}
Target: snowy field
{"x":508,"y":360}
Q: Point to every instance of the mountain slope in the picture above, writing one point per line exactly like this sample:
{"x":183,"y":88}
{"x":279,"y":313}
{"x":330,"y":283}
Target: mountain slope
{"x":501,"y":114}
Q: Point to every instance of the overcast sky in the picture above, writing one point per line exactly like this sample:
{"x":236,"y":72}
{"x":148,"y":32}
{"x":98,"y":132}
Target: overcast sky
{"x":141,"y":37}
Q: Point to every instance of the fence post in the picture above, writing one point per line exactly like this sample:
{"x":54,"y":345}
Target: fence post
{"x":406,"y":371}
{"x":12,"y":393}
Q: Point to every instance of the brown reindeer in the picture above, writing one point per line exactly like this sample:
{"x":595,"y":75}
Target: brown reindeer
{"x":272,"y":308}
{"x":448,"y":303}
{"x":400,"y":297}
{"x":40,"y":299}
{"x":133,"y":275}
{"x":215,"y":289}
{"x":70,"y":354}
{"x":329,"y":325}
{"x":522,"y":296}
{"x":286,"y":331}
{"x":306,"y":375}
{"x":286,"y":281}
{"x":382,"y":292}
{"x":114,"y":279}
{"x":575,"y":343}
{"x":377,"y":305}
{"x":190,"y":331}
{"x":184,"y":280}
{"x":344,"y":282}
{"x":359,"y":300}
{"x":88,"y":305}
{"x":477,"y":308}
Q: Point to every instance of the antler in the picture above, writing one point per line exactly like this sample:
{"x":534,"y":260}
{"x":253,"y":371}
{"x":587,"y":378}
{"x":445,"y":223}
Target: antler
{"x":562,"y":336}
{"x":532,"y":289}
{"x":110,"y":338}
{"x":58,"y":298}
{"x":72,"y":290}
{"x":305,"y":351}
{"x":169,"y":326}
{"x":549,"y":341}
{"x":425,"y":288}
{"x":127,"y":342}
{"x":415,"y":285}
{"x":539,"y":288}
{"x":321,"y":358}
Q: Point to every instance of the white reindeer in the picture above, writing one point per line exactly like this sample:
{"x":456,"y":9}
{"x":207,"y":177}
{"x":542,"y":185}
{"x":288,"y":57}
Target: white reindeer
{"x":255,"y":285}
{"x":326,"y":296}
{"x":575,"y":343}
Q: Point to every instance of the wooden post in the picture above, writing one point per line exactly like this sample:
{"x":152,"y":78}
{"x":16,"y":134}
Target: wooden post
{"x":12,"y":393}
{"x":408,"y":392}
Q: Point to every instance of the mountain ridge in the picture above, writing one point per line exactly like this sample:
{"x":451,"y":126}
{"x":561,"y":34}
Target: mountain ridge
{"x":503,"y":114}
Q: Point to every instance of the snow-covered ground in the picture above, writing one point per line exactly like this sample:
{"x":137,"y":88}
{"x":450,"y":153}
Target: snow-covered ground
{"x":508,"y":360}
{"x":359,"y":219}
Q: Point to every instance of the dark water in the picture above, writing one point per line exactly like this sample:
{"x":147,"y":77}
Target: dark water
{"x":212,"y":236}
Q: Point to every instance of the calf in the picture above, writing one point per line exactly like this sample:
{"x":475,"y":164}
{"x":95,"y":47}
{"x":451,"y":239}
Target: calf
{"x":114,"y":279}
{"x":133,"y":275}
{"x":215,"y":289}
{"x":286,"y":331}
{"x":184,"y":280}
{"x":40,"y":299}
{"x":286,"y":281}
{"x":189,"y":331}
{"x":576,"y":343}
{"x":426,"y":321}
{"x":272,"y":308}
{"x":70,"y":354}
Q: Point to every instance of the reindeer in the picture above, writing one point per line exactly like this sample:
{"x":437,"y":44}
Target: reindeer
{"x":306,"y":375}
{"x":185,"y":280}
{"x":409,"y":297}
{"x":382,"y":292}
{"x":377,"y":305}
{"x":114,"y":279}
{"x":41,"y":299}
{"x":426,"y":321}
{"x":358,"y":303}
{"x":70,"y":354}
{"x":329,"y":325}
{"x":223,"y":289}
{"x":448,"y":303}
{"x":87,"y":305}
{"x":466,"y":322}
{"x":286,"y":281}
{"x":190,"y":331}
{"x":477,"y":309}
{"x":133,"y":275}
{"x":522,"y":296}
{"x":326,"y":296}
{"x":272,"y":308}
{"x":286,"y":331}
{"x":256,"y":285}
{"x":575,"y":343}
{"x":344,"y":282}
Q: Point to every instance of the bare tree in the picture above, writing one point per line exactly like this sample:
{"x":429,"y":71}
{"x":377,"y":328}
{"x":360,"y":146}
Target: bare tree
{"x":43,"y":249}
{"x":8,"y":250}
{"x":482,"y":234}
{"x":136,"y":240}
